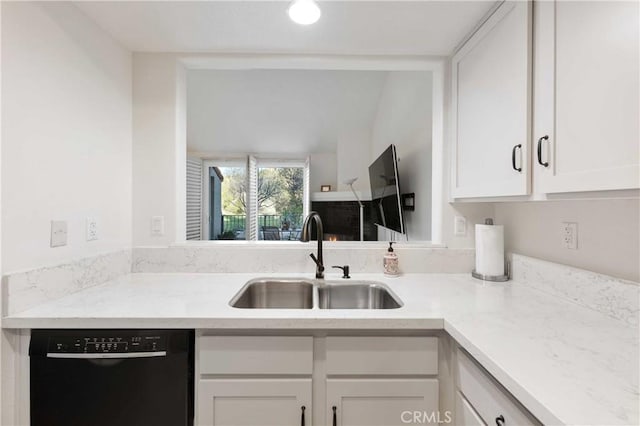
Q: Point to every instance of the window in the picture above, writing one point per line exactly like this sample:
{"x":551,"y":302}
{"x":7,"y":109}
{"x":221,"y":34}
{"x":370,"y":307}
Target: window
{"x":255,"y":199}
{"x":230,"y":209}
{"x":280,"y":202}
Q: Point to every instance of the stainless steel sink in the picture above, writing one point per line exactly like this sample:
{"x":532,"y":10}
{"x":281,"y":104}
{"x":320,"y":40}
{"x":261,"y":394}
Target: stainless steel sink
{"x":357,"y":296}
{"x":268,"y":293}
{"x":298,"y":293}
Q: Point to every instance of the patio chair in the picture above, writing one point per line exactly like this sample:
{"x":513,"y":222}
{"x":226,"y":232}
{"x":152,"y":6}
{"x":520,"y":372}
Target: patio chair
{"x":270,"y":233}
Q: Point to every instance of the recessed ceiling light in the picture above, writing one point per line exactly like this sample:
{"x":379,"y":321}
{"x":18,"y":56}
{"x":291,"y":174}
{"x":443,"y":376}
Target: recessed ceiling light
{"x":304,"y":12}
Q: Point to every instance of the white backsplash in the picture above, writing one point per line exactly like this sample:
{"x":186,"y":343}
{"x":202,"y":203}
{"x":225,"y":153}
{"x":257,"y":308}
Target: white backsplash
{"x":612,"y":296}
{"x":288,"y":258}
{"x":31,"y":288}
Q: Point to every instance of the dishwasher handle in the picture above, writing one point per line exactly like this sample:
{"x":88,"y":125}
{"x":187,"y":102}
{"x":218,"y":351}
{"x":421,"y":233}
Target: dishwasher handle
{"x":112,"y":355}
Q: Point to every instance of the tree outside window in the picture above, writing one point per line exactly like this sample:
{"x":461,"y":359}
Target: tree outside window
{"x":280,"y":198}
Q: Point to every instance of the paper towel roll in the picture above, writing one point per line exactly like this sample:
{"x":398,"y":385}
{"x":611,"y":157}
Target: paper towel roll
{"x":490,"y":250}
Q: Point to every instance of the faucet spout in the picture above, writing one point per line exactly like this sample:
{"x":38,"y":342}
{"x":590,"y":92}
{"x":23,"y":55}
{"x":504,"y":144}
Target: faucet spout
{"x":306,"y":235}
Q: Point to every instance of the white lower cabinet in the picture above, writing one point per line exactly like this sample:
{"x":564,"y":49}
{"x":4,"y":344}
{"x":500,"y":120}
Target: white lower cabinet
{"x":251,"y":402}
{"x":382,"y":402}
{"x":349,"y":381}
{"x":386,"y":356}
{"x":254,"y":380}
{"x":486,"y":398}
{"x":383,"y":381}
{"x":274,"y":380}
{"x":465,"y":414}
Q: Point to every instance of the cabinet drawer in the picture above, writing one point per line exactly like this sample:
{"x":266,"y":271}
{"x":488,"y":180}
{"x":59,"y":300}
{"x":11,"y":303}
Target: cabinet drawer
{"x":382,"y":355}
{"x":255,"y":355}
{"x":465,"y":414}
{"x":487,"y":397}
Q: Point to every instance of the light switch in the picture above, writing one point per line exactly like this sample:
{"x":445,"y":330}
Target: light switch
{"x":460,"y":226}
{"x":570,"y":235}
{"x":157,"y":225}
{"x":92,"y":228}
{"x":58,"y":233}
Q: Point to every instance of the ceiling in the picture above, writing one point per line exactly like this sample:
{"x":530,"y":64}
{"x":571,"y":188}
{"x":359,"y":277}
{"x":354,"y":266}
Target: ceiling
{"x":345,"y":28}
{"x":284,"y":110}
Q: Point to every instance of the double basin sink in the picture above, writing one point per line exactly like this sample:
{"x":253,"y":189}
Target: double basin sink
{"x":300,"y":293}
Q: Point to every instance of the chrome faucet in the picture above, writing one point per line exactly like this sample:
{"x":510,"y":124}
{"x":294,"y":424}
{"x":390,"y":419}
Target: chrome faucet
{"x":306,"y":234}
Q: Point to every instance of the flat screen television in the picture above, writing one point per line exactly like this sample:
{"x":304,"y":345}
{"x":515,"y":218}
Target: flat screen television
{"x":385,"y":191}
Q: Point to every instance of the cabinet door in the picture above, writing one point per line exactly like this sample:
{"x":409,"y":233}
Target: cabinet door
{"x":465,"y":414}
{"x":383,"y":402}
{"x":492,"y":403}
{"x":250,"y":402}
{"x":586,"y":113}
{"x":491,"y":87}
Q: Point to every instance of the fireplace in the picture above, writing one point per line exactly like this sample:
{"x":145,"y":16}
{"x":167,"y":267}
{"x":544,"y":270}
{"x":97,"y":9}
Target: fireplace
{"x":341,"y":220}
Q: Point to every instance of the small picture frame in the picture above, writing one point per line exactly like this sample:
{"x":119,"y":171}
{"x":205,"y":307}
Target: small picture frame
{"x":325,"y":188}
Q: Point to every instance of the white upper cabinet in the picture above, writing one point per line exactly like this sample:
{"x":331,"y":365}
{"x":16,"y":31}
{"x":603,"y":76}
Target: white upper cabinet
{"x":586,"y":85}
{"x":491,"y":85}
{"x":576,"y":128}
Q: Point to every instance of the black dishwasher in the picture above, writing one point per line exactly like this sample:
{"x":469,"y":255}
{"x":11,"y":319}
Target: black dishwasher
{"x":112,"y":377}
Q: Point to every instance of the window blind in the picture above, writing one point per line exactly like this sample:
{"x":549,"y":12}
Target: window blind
{"x":306,"y":193}
{"x":194,"y":199}
{"x":252,"y":199}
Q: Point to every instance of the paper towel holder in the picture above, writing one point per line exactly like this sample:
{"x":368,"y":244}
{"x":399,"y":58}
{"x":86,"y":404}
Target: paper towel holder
{"x":494,"y":278}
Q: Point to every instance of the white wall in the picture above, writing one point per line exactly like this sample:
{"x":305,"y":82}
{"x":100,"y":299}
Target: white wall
{"x":159,"y":147}
{"x":608,"y":233}
{"x":353,"y":158}
{"x":2,"y":345}
{"x":404,"y":119}
{"x":66,"y":134}
{"x":278,"y":111}
{"x":155,"y":153}
{"x":327,"y":114}
{"x":322,"y":171}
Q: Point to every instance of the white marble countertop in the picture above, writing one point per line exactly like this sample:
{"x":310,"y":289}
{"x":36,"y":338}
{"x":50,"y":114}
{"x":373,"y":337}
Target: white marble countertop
{"x":566,"y":363}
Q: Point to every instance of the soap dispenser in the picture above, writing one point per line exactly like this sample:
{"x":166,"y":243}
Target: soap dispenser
{"x":390,"y":262}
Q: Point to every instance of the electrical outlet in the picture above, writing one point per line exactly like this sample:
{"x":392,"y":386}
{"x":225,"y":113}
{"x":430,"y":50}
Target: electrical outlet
{"x":460,"y":226}
{"x":570,"y":235}
{"x":92,"y":229}
{"x":157,"y":225}
{"x":58,"y":233}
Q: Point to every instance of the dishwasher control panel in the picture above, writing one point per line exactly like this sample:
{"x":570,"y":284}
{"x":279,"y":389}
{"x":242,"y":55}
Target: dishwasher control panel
{"x":146,"y":342}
